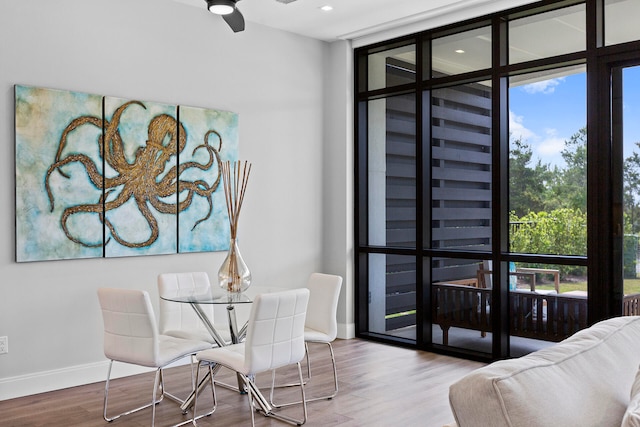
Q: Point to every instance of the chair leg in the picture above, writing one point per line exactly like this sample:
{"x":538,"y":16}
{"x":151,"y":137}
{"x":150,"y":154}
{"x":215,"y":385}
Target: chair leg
{"x":194,"y":368}
{"x":106,"y":396}
{"x":264,"y":406}
{"x":335,"y":375}
{"x":212,"y":372}
{"x":306,"y":353}
{"x":156,"y":383}
{"x":310,"y":399}
{"x":173,"y":397}
{"x":251,"y":402}
{"x":158,"y":386}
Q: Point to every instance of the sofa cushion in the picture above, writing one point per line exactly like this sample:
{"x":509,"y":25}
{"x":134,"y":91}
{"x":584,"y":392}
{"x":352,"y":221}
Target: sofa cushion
{"x":581,"y":381}
{"x":632,"y":415}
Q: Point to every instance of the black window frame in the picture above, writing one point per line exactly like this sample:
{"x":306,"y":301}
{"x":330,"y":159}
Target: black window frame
{"x":605,"y":281}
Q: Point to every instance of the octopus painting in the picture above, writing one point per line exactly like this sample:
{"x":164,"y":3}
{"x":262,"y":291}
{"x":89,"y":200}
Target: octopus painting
{"x":146,"y":179}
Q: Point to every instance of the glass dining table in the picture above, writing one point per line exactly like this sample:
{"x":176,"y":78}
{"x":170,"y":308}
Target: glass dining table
{"x":221,"y":297}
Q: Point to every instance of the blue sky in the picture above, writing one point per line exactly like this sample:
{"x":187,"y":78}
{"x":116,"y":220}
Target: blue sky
{"x":547,"y":113}
{"x":631,"y":109}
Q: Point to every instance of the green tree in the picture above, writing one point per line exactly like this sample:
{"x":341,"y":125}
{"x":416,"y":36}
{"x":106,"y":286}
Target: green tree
{"x":631,"y":188}
{"x":527,"y":185}
{"x":548,"y":204}
{"x":557,"y":232}
{"x":569,"y":186}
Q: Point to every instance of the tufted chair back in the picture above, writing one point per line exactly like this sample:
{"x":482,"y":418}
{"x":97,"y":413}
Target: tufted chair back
{"x":321,"y":313}
{"x":275,"y":335}
{"x":130,"y":331}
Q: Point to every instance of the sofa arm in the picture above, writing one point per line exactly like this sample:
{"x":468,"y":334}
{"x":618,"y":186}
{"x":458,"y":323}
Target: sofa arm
{"x":584,"y":381}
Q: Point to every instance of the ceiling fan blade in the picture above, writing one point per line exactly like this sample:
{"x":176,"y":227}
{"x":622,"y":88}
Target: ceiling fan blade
{"x":235,"y":20}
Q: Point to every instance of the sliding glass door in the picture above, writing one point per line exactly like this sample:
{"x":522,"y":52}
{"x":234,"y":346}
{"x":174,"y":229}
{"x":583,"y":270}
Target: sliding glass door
{"x":497,"y":179}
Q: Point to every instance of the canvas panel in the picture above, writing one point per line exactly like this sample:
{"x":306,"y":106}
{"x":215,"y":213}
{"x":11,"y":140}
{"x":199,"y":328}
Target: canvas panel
{"x":211,"y":138}
{"x":58,"y":174}
{"x":140,"y":167}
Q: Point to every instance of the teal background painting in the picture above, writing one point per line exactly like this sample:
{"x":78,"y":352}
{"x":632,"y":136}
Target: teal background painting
{"x":41,"y":115}
{"x":212,"y":234}
{"x":162,"y":187}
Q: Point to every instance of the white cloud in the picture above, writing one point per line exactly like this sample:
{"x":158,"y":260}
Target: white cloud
{"x":517,"y":128}
{"x":545,"y":86}
{"x":551,"y":144}
{"x":545,"y":147}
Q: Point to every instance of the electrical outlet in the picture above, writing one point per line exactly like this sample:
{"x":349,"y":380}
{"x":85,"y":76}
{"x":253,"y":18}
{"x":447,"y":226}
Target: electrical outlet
{"x":4,"y":345}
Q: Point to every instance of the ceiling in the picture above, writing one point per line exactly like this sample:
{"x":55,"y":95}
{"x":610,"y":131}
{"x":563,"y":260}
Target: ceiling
{"x":549,"y":34}
{"x":349,"y":19}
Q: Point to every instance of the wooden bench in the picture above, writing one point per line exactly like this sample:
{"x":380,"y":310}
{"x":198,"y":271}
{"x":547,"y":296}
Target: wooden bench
{"x":631,"y":305}
{"x":548,"y":317}
{"x":460,"y":306}
{"x":562,"y":315}
{"x":530,"y":273}
{"x":472,"y":281}
{"x":534,"y":271}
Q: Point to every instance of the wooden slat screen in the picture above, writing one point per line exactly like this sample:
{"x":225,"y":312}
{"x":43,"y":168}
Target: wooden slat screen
{"x":461,"y":185}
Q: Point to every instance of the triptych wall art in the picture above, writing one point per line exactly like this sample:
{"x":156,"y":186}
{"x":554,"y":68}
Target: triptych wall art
{"x":99,"y":176}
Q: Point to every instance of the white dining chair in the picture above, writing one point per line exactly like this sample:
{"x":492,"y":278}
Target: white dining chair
{"x":275,"y":338}
{"x":321,"y":325}
{"x":131,"y":336}
{"x":180,"y":320}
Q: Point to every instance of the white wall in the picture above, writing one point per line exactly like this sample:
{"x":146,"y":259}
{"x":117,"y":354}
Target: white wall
{"x":337,"y":186}
{"x":297,"y":214}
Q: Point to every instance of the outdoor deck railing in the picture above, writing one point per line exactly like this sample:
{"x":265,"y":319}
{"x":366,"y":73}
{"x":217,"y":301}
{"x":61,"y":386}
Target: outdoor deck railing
{"x":549,"y":317}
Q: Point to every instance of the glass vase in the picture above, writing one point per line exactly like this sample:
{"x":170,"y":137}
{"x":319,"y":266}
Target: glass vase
{"x":234,"y":275}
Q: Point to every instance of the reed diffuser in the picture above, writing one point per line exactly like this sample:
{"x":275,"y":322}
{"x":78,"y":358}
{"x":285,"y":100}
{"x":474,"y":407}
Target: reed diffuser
{"x":234,"y":275}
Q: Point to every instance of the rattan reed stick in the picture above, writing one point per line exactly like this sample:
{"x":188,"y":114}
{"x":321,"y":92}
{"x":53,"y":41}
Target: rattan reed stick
{"x":235,"y":187}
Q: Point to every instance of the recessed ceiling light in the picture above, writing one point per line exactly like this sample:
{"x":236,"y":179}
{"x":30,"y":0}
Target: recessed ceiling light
{"x":326,"y":8}
{"x":459,"y":51}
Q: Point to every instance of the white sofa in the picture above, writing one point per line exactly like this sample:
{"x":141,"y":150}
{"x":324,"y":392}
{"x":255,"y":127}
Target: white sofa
{"x":585,"y":380}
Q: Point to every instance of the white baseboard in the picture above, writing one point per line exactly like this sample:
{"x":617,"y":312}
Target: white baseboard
{"x":57,"y":379}
{"x":73,"y":376}
{"x":346,"y":330}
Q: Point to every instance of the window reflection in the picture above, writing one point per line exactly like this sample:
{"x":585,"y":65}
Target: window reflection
{"x":547,"y":34}
{"x":462,"y":52}
{"x":620,"y":21}
{"x":392,"y":67}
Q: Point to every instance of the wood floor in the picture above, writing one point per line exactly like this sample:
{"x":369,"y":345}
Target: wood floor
{"x":380,"y":385}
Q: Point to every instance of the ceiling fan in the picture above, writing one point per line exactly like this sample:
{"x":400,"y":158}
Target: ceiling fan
{"x":229,"y":12}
